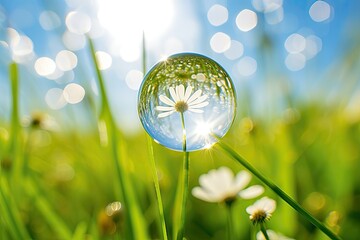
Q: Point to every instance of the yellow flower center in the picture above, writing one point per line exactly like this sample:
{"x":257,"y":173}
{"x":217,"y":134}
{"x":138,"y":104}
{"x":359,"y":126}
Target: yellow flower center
{"x":259,"y":216}
{"x":181,"y":106}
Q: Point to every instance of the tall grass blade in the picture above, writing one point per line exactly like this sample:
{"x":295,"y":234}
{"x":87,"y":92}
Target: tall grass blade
{"x":135,"y":219}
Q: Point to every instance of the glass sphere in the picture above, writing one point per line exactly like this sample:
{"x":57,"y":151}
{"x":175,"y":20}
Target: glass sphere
{"x":187,"y":95}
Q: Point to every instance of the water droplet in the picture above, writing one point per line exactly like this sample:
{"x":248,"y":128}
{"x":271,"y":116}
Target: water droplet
{"x":170,"y":89}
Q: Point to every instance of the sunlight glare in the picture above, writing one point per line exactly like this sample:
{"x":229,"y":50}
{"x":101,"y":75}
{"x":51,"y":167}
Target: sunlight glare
{"x":126,"y":20}
{"x":203,"y":129}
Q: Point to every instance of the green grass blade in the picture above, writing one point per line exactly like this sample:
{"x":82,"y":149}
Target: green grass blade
{"x":44,"y":207}
{"x":135,"y":219}
{"x":80,"y":231}
{"x":157,"y":188}
{"x":9,"y":212}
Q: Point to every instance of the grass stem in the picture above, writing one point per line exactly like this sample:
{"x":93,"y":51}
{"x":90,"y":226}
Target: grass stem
{"x":157,"y":189}
{"x":264,"y":232}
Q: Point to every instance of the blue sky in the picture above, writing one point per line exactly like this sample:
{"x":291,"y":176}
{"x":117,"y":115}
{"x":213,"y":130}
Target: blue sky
{"x":171,"y":27}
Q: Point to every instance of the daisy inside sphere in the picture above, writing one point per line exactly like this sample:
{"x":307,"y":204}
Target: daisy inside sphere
{"x":182,"y":100}
{"x":188,"y":87}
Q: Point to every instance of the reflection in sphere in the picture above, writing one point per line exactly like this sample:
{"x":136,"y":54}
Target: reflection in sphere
{"x":192,"y":86}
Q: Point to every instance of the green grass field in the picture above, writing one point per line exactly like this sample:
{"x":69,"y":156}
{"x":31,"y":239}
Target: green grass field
{"x":57,"y":183}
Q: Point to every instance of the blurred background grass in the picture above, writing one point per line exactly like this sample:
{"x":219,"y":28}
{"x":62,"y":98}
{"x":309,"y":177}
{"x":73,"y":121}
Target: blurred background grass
{"x":300,"y":127}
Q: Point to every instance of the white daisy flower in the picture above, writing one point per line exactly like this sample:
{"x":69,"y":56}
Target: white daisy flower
{"x":182,"y":100}
{"x":261,"y":210}
{"x":221,"y":186}
{"x":272,"y":236}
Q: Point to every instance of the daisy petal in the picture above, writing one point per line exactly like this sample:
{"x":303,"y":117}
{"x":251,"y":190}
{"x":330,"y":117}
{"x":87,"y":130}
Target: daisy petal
{"x":180,"y":92}
{"x":209,"y":183}
{"x":164,"y":108}
{"x":200,"y":193}
{"x":269,"y":205}
{"x":166,"y":100}
{"x":242,"y":179}
{"x":225,"y":177}
{"x":165,"y":114}
{"x":251,"y":209}
{"x":200,"y":105}
{"x":194,"y":96}
{"x":187,"y":93}
{"x":195,"y":110}
{"x":198,"y":100}
{"x":251,"y":192}
{"x":173,"y":94}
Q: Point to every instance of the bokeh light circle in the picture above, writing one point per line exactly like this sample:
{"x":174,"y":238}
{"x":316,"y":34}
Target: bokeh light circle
{"x":217,"y":15}
{"x":246,"y":20}
{"x":320,"y":11}
{"x":220,"y":42}
{"x":207,"y":91}
{"x":73,"y":93}
{"x":44,"y":66}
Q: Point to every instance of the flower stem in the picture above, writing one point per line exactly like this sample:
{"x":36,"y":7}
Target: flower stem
{"x":181,"y":231}
{"x":263,"y":230}
{"x":229,"y":222}
{"x":277,"y":190}
{"x":157,"y":189}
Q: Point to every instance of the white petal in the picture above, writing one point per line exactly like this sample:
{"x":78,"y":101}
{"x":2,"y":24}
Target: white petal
{"x":180,"y":92}
{"x":164,"y":108}
{"x":269,"y":205}
{"x":251,"y":209}
{"x":266,"y":204}
{"x":200,"y":193}
{"x":166,"y":100}
{"x":165,"y":114}
{"x":200,"y":105}
{"x":198,"y":100}
{"x":194,"y":96}
{"x":225,"y":178}
{"x":173,"y":94}
{"x":242,"y":179}
{"x":195,"y":110}
{"x":209,"y":182}
{"x":251,"y":192}
{"x":187,"y":93}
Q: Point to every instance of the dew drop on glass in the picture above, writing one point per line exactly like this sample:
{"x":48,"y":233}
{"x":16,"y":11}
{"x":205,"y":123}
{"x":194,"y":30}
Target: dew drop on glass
{"x":191,"y":85}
